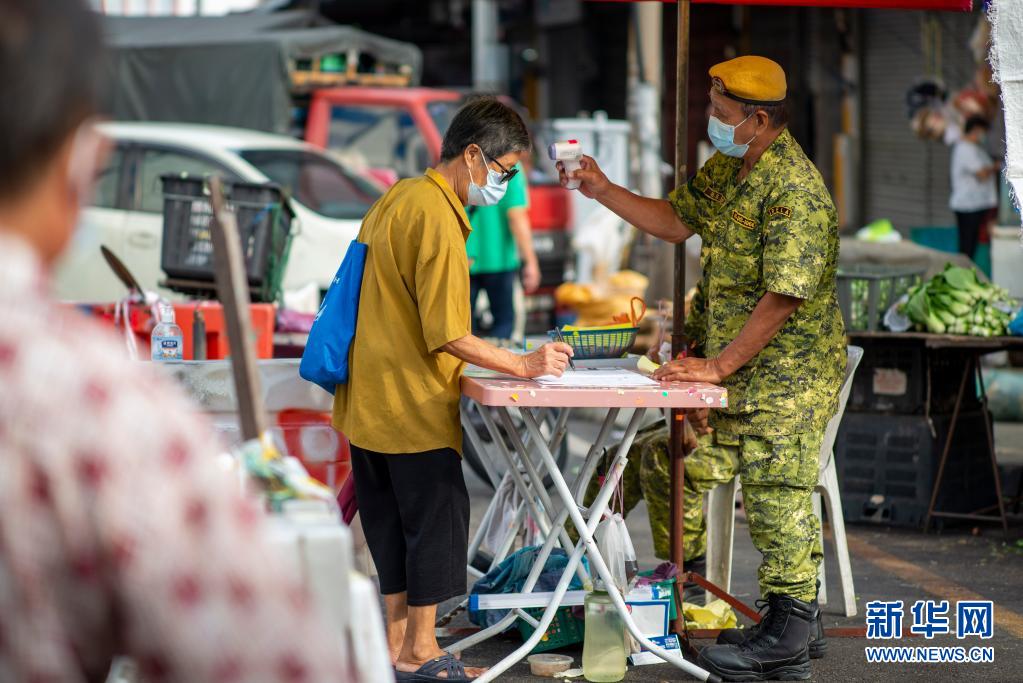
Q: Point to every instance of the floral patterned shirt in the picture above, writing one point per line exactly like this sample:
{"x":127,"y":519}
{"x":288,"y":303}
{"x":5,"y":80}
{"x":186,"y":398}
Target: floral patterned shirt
{"x":119,"y":532}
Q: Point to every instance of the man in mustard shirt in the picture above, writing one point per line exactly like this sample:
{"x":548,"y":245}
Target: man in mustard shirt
{"x":400,"y":408}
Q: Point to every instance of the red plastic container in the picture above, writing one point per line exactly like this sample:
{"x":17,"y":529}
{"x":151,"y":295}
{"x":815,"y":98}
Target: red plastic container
{"x":550,"y":207}
{"x":141,"y":320}
{"x":310,"y":437}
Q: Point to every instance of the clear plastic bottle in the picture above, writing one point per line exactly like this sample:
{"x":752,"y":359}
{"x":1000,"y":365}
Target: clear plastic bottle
{"x":167,"y":342}
{"x":604,"y":643}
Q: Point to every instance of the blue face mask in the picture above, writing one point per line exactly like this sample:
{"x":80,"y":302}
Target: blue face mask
{"x":489,"y":194}
{"x":723,"y":137}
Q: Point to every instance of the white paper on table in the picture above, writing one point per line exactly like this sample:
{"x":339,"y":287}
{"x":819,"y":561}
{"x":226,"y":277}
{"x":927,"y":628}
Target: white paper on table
{"x":614,"y":378}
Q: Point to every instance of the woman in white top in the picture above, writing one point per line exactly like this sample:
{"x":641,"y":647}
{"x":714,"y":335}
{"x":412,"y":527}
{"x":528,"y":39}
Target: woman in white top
{"x":974,"y":188}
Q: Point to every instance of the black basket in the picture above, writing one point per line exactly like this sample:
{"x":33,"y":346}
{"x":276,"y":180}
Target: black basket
{"x":264,"y":226}
{"x":903,"y":376}
{"x":887,"y":466}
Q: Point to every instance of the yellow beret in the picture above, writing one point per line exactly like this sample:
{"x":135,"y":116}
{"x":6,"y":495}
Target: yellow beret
{"x":753,"y":80}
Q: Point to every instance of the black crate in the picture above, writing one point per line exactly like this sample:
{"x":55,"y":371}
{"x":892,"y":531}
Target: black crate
{"x":553,"y":252}
{"x":903,"y":376}
{"x":264,"y":226}
{"x":887,"y":465}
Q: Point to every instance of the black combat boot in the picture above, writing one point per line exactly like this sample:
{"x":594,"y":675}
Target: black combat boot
{"x":818,"y":646}
{"x":777,"y":651}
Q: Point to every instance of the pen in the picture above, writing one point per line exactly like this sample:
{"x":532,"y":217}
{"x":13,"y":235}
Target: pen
{"x":562,"y":340}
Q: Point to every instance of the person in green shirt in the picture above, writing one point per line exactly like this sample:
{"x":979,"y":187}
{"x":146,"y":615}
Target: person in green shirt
{"x":500,"y":244}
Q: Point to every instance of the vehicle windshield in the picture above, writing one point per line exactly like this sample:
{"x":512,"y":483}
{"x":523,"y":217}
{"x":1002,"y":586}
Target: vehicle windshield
{"x":442,"y":112}
{"x":386,"y":137}
{"x":316,"y":181}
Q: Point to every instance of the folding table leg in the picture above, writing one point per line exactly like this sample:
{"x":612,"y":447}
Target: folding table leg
{"x":560,"y":429}
{"x":586,"y":529}
{"x":540,"y":515}
{"x":586,"y":532}
{"x":534,"y":476}
{"x":477,"y":443}
{"x":545,"y":551}
{"x":591,"y":463}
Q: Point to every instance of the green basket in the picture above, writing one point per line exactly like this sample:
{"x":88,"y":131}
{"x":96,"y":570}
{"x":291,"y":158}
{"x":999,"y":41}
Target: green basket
{"x":564,"y":630}
{"x":595,"y":344}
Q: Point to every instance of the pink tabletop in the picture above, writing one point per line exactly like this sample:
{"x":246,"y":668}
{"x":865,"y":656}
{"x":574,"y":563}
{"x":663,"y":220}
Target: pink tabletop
{"x":492,"y":391}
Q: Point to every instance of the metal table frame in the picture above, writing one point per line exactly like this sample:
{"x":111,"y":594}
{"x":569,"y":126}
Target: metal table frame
{"x":500,"y":397}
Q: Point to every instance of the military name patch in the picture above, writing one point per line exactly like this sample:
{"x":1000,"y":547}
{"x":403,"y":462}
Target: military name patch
{"x":744,"y":221}
{"x":779,"y":211}
{"x":713,"y":195}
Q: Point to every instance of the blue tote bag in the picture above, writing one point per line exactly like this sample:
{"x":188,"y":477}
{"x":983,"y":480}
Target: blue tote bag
{"x":325,"y":359}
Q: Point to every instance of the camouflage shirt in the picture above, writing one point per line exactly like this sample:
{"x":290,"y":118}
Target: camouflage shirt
{"x":696,"y":322}
{"x":776,"y":231}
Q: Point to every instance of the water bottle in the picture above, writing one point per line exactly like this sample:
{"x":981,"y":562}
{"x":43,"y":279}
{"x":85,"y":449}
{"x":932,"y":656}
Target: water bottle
{"x":167,"y":341}
{"x":604,"y":650}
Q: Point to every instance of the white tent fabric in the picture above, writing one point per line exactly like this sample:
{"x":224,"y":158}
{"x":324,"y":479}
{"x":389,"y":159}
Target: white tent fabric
{"x":1007,"y":62}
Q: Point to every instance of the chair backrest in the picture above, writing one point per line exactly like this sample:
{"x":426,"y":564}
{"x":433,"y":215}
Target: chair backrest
{"x":854,"y":354}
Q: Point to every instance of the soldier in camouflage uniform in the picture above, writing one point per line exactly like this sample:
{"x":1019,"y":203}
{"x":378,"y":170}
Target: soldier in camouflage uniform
{"x":774,"y":338}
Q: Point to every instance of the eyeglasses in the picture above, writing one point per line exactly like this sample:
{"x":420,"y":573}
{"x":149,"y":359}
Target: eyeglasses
{"x":506,"y":174}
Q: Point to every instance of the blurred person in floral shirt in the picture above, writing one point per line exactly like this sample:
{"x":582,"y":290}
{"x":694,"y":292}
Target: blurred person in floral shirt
{"x":119,"y":534}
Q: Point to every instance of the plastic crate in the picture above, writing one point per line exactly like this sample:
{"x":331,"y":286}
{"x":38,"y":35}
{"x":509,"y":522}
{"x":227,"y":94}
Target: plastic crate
{"x":887,"y":465}
{"x":903,"y":376}
{"x":866,"y":292}
{"x":565,"y":630}
{"x":264,"y":226}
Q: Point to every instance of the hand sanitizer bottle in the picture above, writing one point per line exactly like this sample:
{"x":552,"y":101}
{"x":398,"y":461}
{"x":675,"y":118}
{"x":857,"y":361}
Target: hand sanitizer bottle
{"x":167,"y":341}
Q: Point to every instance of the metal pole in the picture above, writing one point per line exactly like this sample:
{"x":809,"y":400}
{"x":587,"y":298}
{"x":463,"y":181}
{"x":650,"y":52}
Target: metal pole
{"x":486,"y":76}
{"x":678,"y":317}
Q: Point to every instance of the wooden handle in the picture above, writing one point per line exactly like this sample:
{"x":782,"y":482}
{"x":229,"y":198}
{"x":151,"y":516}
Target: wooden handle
{"x":233,"y":291}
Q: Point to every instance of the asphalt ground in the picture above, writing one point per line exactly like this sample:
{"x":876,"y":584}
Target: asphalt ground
{"x":957,"y":563}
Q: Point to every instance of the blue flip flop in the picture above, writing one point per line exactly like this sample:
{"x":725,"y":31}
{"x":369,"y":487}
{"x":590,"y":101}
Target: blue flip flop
{"x":431,"y":670}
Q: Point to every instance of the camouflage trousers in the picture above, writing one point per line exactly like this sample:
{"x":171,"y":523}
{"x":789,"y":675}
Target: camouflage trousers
{"x":778,"y":475}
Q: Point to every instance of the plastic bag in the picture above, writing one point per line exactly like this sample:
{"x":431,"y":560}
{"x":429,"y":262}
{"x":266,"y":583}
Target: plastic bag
{"x":502,"y":522}
{"x":894,"y":319}
{"x":613,"y":541}
{"x":1016,"y":326}
{"x":717,"y":614}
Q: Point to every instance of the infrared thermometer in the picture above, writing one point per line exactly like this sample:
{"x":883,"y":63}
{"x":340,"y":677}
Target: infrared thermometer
{"x":569,"y":153}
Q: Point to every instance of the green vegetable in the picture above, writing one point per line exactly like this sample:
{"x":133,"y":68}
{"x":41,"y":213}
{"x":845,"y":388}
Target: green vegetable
{"x":957,"y":302}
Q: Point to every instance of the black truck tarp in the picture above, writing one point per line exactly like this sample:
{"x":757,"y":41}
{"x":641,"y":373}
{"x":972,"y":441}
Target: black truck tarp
{"x":231,"y":70}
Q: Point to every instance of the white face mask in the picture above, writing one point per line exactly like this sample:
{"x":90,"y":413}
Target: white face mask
{"x":489,"y":194}
{"x":722,"y":135}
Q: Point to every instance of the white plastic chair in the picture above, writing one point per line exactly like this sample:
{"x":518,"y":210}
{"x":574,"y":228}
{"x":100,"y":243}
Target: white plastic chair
{"x":721,"y":509}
